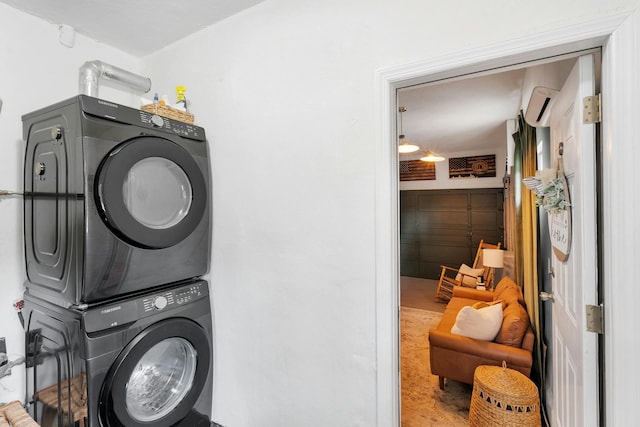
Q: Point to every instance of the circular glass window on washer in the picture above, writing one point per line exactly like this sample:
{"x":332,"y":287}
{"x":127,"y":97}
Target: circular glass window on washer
{"x":161,"y":379}
{"x":157,"y":193}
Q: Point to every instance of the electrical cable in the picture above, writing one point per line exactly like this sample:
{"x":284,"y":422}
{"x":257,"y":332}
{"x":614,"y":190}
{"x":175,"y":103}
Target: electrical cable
{"x":41,"y":194}
{"x":6,"y":364}
{"x":19,"y":305}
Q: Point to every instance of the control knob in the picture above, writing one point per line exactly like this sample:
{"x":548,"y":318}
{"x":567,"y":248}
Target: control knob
{"x":157,"y":121}
{"x":160,"y":302}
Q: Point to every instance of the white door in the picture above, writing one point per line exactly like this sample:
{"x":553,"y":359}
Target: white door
{"x":573,"y":371}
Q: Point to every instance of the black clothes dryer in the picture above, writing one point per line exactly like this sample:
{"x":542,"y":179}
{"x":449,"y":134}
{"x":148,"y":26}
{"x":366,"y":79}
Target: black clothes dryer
{"x":116,"y":200}
{"x":143,"y":360}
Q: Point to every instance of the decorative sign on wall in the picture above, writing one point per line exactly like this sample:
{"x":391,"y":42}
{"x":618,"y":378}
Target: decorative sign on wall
{"x":473,"y":166}
{"x":560,"y":233}
{"x":560,"y":218}
{"x":552,"y":193}
{"x":417,"y":170}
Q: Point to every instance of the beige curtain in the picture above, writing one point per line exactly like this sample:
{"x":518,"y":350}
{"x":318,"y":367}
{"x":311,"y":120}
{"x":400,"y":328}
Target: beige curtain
{"x":516,"y":194}
{"x":510,"y":224}
{"x":526,"y":230}
{"x":529,"y":221}
{"x":509,"y":214}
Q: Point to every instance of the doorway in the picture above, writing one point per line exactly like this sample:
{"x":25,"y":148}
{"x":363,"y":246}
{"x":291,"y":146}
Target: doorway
{"x":471,"y":89}
{"x":586,"y":35}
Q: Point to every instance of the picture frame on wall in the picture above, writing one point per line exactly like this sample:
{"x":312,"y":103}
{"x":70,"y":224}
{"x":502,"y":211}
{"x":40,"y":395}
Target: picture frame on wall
{"x":417,"y":170}
{"x":472,"y":167}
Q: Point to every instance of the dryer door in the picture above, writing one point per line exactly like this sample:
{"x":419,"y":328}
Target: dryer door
{"x":150,"y":192}
{"x":158,"y":377}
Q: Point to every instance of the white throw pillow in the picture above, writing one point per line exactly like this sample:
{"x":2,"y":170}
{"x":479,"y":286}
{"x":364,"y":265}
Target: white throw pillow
{"x":482,"y":324}
{"x":465,"y":274}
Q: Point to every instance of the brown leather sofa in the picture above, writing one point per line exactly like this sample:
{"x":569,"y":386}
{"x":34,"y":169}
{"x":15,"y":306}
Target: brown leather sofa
{"x":456,"y":357}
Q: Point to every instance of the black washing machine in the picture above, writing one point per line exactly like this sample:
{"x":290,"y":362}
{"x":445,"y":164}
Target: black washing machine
{"x":116,"y":200}
{"x":143,"y":360}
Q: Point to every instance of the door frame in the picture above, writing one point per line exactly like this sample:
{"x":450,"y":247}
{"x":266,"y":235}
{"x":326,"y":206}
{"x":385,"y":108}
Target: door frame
{"x":619,"y":36}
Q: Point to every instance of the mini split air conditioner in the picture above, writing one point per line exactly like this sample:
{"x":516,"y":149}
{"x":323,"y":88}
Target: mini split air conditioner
{"x":539,"y":107}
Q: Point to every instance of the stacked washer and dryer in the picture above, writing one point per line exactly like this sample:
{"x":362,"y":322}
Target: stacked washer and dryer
{"x":117,"y":237}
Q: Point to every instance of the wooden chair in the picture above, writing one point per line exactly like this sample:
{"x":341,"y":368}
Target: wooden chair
{"x":449,"y":276}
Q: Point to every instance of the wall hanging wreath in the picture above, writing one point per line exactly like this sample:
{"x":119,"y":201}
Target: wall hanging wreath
{"x":549,"y":190}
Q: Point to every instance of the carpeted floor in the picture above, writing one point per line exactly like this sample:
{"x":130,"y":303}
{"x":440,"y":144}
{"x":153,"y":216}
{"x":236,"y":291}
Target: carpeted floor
{"x":423,"y":403}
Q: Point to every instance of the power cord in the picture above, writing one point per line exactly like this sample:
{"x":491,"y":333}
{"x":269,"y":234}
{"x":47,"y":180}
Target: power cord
{"x":6,"y":364}
{"x":5,"y":193}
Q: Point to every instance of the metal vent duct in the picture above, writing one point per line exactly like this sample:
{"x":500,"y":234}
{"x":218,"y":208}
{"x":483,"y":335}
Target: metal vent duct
{"x":92,"y":71}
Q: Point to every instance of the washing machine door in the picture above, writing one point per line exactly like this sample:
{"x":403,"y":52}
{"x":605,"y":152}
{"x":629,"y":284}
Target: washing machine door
{"x":158,"y":377}
{"x":150,"y":192}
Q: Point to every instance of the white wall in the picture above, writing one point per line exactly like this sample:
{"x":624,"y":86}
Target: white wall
{"x":35,"y":71}
{"x":286,"y":93}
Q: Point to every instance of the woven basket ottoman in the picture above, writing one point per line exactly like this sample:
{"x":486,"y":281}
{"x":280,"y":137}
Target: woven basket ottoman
{"x":503,"y":397}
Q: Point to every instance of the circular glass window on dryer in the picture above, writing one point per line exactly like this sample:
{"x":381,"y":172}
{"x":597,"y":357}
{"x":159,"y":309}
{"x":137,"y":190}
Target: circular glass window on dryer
{"x":151,"y":192}
{"x":161,"y":379}
{"x":157,"y":193}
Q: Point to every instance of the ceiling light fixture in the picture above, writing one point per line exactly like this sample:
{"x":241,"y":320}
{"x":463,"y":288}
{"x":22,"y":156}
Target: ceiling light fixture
{"x":405,"y":146}
{"x":430,"y":156}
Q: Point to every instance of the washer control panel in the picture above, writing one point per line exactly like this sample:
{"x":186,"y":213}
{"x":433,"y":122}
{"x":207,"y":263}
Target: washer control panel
{"x":173,"y":297}
{"x":160,"y":302}
{"x":129,"y":310}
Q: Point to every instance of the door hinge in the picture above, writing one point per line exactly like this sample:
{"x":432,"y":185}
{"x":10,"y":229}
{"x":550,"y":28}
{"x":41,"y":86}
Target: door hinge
{"x":591,"y":109}
{"x":595,"y":318}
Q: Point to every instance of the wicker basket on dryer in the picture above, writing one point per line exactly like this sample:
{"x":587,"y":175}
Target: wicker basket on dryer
{"x":169,"y":112}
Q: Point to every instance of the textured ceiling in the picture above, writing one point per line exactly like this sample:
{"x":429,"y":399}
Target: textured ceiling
{"x":139,"y":27}
{"x":469,"y":113}
{"x":461,"y":115}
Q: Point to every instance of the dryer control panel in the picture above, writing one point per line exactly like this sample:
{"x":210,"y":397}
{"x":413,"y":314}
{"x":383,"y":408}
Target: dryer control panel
{"x":123,"y":114}
{"x":129,"y":310}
